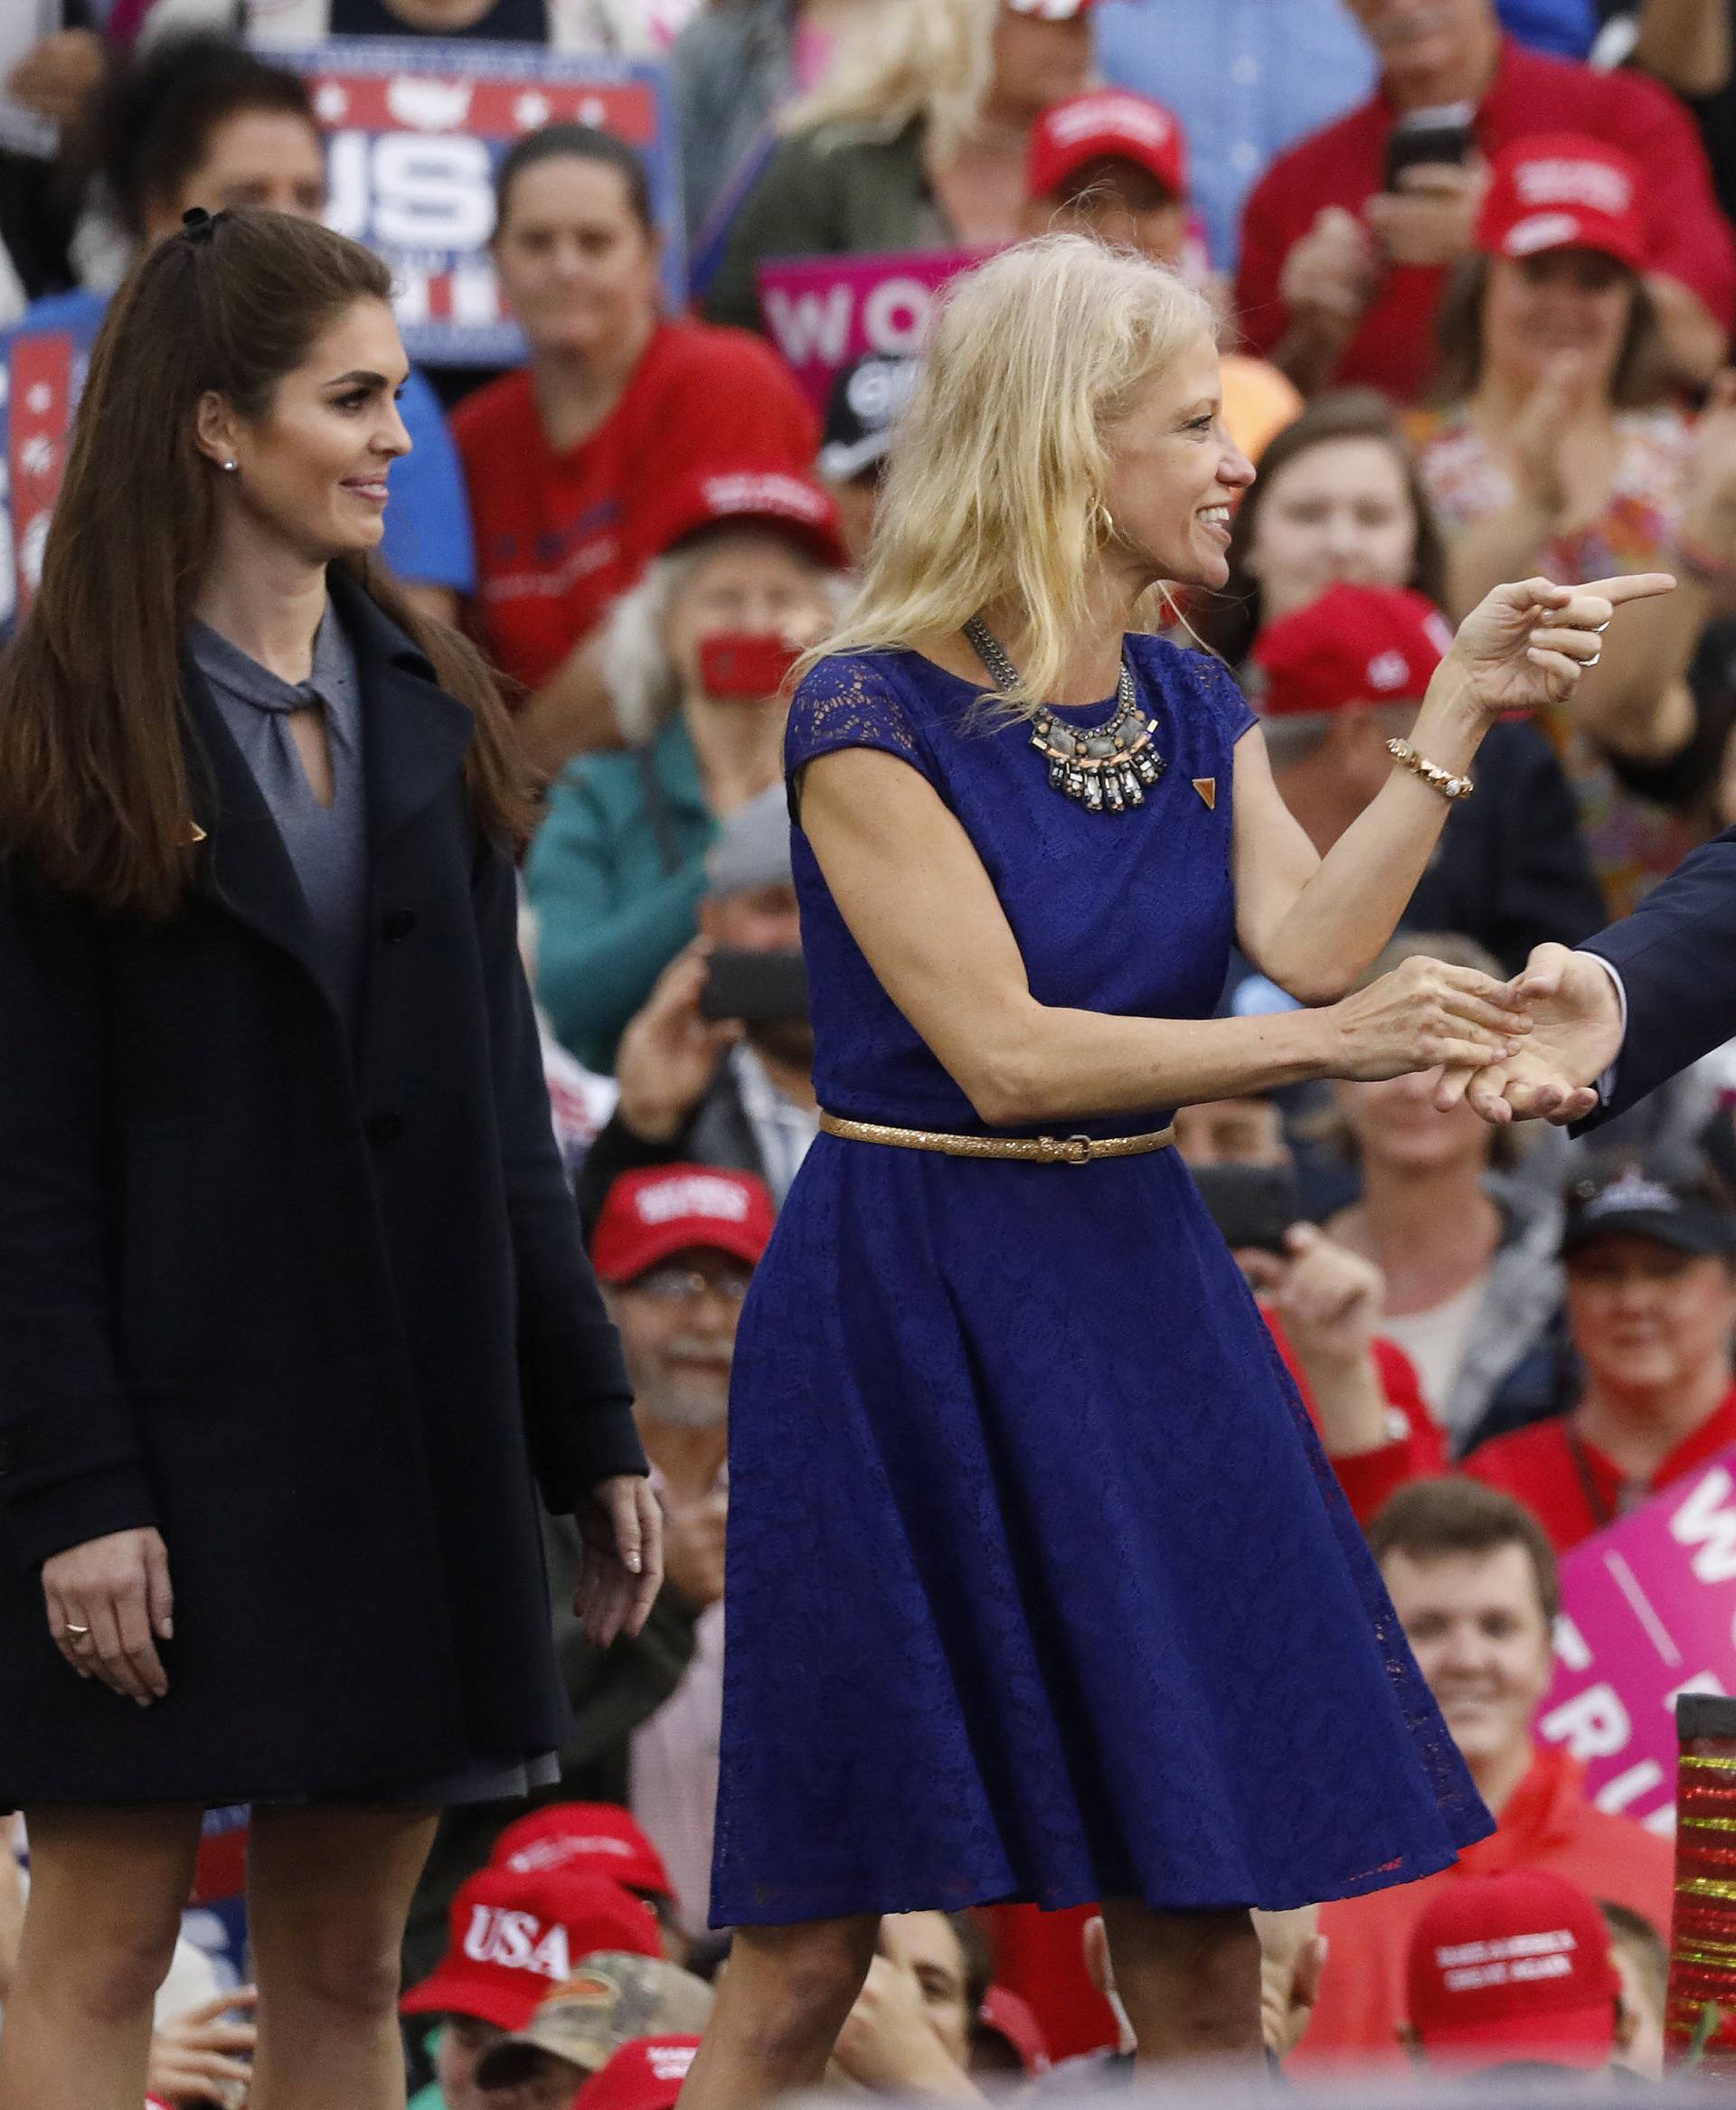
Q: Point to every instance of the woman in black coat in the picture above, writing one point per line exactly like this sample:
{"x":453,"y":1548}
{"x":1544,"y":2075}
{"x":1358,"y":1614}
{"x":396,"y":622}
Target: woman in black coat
{"x":294,"y":1312}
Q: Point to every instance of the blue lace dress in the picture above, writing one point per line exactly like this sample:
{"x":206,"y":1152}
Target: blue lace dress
{"x":1039,"y":1585}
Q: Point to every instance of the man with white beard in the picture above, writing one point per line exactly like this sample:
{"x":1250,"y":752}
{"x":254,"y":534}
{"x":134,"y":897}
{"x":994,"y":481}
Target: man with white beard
{"x":675,"y":1248}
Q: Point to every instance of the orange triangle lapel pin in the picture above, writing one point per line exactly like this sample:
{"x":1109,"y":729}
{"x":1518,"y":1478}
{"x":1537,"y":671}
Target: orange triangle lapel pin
{"x":1207,"y":787}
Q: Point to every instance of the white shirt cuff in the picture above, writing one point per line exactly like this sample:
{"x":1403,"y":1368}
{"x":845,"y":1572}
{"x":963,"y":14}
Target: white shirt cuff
{"x":1606,"y":1082}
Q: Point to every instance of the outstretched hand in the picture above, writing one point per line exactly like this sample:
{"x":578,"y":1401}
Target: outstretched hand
{"x":1525,"y":646}
{"x":1576,"y":1034}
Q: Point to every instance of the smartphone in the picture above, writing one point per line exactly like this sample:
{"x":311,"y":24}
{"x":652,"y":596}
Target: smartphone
{"x":740,"y":664}
{"x":1252,"y":1205}
{"x":1437,"y":136}
{"x":751,"y":985}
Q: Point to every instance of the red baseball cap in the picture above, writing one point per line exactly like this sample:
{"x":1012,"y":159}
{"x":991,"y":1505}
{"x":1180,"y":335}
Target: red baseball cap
{"x":667,"y":1208}
{"x":1108,"y":121}
{"x":1512,"y":1967}
{"x":750,"y":495}
{"x":1353,"y":645}
{"x":1013,"y":2020}
{"x":1563,"y":191}
{"x":644,"y":2075}
{"x":596,"y":1838}
{"x":515,"y":1938}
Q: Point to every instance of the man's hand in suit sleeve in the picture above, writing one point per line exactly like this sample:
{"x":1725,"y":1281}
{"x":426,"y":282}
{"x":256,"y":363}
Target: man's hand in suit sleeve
{"x":1575,"y":1005}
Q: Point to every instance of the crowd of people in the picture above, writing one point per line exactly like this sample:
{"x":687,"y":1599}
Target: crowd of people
{"x":1477,"y":284}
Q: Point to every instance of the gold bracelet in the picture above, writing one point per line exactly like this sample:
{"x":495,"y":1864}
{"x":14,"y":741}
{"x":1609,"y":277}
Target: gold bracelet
{"x":1437,"y":778}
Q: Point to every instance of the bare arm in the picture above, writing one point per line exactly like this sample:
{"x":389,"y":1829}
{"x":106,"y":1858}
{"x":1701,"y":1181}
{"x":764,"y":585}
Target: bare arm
{"x":570,"y":714}
{"x":1315,"y":924}
{"x":1685,"y":44}
{"x":914,"y":892}
{"x":1695,"y":342}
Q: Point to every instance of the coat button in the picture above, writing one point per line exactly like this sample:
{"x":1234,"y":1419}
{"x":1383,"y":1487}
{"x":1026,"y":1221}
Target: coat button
{"x":398,"y":924}
{"x":384,"y":1128}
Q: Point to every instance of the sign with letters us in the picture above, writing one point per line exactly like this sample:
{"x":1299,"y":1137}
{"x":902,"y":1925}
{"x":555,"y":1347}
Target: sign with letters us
{"x":415,"y":130}
{"x":1648,"y":1610}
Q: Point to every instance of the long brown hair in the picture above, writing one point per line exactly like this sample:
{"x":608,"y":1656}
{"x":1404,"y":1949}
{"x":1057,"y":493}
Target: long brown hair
{"x":1641,"y":378}
{"x":94,"y":794}
{"x":1230,"y":620}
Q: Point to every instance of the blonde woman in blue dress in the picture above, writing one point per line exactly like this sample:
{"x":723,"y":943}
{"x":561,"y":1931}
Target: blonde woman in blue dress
{"x":1039,"y":1586}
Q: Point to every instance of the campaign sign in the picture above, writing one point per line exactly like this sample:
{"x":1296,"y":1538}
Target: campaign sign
{"x":823,"y":311}
{"x":1648,"y":1611}
{"x":415,"y":131}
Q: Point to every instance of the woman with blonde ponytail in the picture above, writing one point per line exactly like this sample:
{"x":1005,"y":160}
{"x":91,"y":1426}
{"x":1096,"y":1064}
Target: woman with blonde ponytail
{"x":1039,"y":1585}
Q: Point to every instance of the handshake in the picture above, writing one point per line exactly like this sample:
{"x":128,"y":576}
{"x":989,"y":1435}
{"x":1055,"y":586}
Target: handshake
{"x":1574,"y":1005}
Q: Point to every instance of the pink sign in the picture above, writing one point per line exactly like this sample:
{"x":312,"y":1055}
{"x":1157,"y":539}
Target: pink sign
{"x":1648,"y":1610}
{"x":823,"y":311}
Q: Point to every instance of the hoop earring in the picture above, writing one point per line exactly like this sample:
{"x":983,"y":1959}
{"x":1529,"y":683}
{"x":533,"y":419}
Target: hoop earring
{"x":1102,"y":522}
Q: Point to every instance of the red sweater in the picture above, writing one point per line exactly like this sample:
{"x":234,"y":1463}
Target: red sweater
{"x":1346,"y":164}
{"x":1547,"y":1824}
{"x":1571,"y":1487}
{"x":559,"y":535}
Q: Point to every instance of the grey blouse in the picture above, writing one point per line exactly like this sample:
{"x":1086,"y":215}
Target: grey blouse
{"x":327,"y":845}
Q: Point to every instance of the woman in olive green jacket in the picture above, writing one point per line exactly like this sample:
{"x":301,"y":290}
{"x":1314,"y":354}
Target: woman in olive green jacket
{"x":916,"y":140}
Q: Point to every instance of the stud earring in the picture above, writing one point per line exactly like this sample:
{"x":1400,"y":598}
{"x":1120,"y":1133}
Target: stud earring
{"x":230,"y":465}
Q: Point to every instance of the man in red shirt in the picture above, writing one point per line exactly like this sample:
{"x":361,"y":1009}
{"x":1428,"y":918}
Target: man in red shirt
{"x":1651,"y":1297}
{"x":1342,"y":270}
{"x":1473,"y":1580}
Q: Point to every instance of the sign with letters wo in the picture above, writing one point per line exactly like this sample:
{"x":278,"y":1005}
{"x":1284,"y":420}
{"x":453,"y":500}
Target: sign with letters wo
{"x":823,"y":311}
{"x":1648,"y":1611}
{"x":415,"y":131}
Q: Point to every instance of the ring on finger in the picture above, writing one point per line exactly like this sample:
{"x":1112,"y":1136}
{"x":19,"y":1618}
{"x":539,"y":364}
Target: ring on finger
{"x":77,"y":1632}
{"x":1595,"y":657}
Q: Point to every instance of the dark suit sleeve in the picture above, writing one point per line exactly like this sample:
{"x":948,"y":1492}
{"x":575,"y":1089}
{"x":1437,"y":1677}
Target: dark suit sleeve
{"x":1676,"y":956}
{"x":578,"y":1404}
{"x":71,"y":1462}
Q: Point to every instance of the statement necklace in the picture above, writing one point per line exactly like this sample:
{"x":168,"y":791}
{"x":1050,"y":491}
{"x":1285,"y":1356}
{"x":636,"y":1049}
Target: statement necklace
{"x":1107,"y":768}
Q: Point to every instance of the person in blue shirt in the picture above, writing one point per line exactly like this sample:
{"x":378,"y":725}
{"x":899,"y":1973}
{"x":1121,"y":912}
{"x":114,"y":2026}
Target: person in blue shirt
{"x":200,"y":121}
{"x":1249,"y":77}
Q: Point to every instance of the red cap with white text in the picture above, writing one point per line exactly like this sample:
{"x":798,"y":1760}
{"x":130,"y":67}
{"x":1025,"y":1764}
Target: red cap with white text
{"x":515,"y":1938}
{"x":1354,"y":644}
{"x":758,"y":494}
{"x":644,"y":2075}
{"x":1510,"y":1969}
{"x":1108,"y":124}
{"x":648,"y":1216}
{"x":599,"y":1839}
{"x":1563,"y":190}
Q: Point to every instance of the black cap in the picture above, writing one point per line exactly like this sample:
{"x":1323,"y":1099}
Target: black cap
{"x":866,"y":397}
{"x":1634,"y":1206}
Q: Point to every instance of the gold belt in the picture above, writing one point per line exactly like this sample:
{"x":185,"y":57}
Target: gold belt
{"x":1039,"y":1150}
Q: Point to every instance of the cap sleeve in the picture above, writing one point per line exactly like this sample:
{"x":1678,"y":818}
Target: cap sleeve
{"x":1206,"y":685}
{"x":847,"y":701}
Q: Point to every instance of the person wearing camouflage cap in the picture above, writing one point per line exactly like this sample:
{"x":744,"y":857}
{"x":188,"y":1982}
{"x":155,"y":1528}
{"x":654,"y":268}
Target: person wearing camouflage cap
{"x":611,"y":1998}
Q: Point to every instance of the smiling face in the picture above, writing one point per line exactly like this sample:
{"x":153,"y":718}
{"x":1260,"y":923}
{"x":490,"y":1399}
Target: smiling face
{"x":311,"y":472}
{"x":1341,"y":511}
{"x":678,"y":1323}
{"x":1536,"y":308}
{"x":577,"y":265}
{"x":1175,"y":474}
{"x":1476,"y":1624}
{"x":1647,"y":1318}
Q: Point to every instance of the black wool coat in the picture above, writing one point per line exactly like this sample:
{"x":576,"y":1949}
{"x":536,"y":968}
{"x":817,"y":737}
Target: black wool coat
{"x":319,"y":1311}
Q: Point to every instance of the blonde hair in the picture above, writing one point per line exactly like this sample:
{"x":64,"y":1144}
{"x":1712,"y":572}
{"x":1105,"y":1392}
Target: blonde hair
{"x":995,"y":480}
{"x":927,"y":59}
